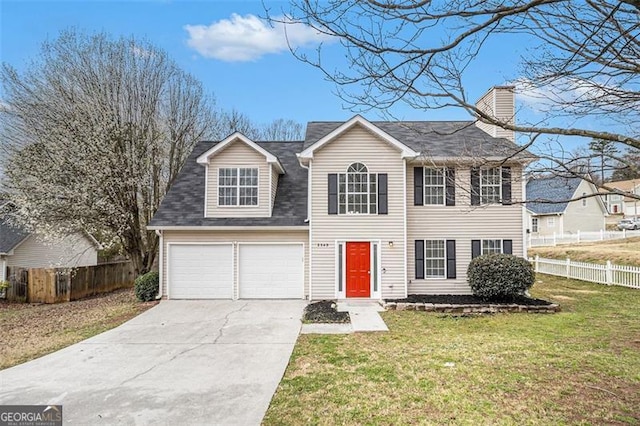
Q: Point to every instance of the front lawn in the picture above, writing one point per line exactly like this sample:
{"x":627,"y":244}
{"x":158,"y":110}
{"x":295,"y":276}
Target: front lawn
{"x":621,"y":252}
{"x":28,"y":331}
{"x":580,"y":366}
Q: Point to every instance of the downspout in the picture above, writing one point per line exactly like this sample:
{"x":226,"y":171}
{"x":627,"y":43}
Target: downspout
{"x":308,"y":220}
{"x":3,"y":273}
{"x":160,"y":264}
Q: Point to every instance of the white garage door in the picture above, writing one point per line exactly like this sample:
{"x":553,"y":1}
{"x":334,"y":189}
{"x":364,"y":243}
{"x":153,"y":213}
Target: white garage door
{"x":200,"y":271}
{"x":271,"y":271}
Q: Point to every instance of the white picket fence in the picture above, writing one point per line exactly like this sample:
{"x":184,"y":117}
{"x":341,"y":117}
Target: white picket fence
{"x":577,"y":237}
{"x":609,"y":274}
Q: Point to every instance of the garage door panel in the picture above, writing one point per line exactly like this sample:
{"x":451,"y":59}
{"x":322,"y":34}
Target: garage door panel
{"x":271,"y":271}
{"x":200,"y":271}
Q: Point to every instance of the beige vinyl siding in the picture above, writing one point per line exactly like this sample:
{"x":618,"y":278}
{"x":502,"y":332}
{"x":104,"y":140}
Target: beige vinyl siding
{"x":357,"y":145}
{"x":35,"y":252}
{"x":461,"y":223}
{"x":248,"y":236}
{"x":238,"y":154}
{"x":587,"y":218}
{"x":500,"y":103}
{"x":274,"y":185}
{"x":545,"y":229}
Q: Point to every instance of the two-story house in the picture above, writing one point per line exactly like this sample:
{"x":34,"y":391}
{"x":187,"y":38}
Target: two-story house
{"x":358,"y":209}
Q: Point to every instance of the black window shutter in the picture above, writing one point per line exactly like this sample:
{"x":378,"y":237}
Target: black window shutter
{"x":450,"y":180}
{"x":475,"y":248}
{"x":506,"y":186}
{"x":383,"y":207}
{"x":418,"y":186}
{"x":451,"y":258}
{"x":419,"y":259}
{"x":507,"y":246}
{"x":333,"y":193}
{"x":475,"y":186}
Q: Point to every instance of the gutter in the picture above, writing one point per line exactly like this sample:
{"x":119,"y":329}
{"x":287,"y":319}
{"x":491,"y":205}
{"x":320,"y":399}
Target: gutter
{"x":160,"y":264}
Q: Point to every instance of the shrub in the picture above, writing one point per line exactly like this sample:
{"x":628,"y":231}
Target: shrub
{"x":146,"y":286}
{"x":500,"y":277}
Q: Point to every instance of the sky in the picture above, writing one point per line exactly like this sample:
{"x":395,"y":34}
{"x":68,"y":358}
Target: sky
{"x":239,"y":58}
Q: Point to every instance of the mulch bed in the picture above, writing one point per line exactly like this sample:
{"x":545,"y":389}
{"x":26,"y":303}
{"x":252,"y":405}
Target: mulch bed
{"x":466,"y":299}
{"x":324,"y":312}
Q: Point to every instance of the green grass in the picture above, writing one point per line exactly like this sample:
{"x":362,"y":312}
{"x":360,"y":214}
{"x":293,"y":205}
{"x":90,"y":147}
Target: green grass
{"x":580,"y":366}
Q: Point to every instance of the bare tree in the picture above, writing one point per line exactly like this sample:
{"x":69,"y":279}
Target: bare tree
{"x":627,"y":167}
{"x":278,"y":130}
{"x":94,"y":132}
{"x":582,"y":64}
{"x":282,"y":130}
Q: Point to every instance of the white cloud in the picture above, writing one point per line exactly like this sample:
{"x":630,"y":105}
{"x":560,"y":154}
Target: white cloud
{"x":563,"y":92}
{"x":248,"y":38}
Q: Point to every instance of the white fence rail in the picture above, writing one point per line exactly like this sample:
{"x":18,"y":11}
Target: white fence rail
{"x":577,"y":237}
{"x":609,"y":274}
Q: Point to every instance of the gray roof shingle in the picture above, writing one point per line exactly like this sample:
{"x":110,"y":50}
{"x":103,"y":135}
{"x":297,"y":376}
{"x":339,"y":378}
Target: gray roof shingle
{"x":433,"y":138}
{"x":10,"y":236}
{"x":552,"y":193}
{"x":184,"y":203}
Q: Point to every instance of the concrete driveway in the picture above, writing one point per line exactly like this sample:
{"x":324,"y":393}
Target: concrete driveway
{"x":181,"y":362}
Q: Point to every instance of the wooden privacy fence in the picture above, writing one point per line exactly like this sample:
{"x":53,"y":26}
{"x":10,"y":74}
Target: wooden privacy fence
{"x":55,"y":285}
{"x":609,"y":274}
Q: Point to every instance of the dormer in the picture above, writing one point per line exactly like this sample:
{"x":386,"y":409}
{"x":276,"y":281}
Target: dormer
{"x":241,"y":178}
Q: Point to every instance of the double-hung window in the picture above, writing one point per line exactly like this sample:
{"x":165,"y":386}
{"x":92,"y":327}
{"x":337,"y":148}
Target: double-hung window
{"x":434,"y":186}
{"x":238,"y":186}
{"x":434,"y":258}
{"x":534,"y":224}
{"x":357,"y":191}
{"x":491,"y":247}
{"x":490,"y":184}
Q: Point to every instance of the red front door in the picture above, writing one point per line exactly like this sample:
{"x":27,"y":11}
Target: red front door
{"x":358,"y":270}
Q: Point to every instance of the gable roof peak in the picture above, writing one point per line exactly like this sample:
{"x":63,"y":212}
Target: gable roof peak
{"x":368,"y":125}
{"x":234,"y":137}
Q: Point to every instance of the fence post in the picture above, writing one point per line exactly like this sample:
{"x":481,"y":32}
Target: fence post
{"x":578,"y":235}
{"x":554,"y":238}
{"x":624,"y":233}
{"x":601,"y":234}
{"x":536,"y":267}
{"x":609,"y":273}
{"x":568,"y":267}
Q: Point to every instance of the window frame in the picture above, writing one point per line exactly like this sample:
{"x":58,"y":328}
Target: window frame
{"x":551,"y":222}
{"x":347,"y":178}
{"x":443,"y":186}
{"x":484,"y":197}
{"x":492,"y":249}
{"x":443,"y":259}
{"x":238,"y":187}
{"x":584,"y":200}
{"x":534,"y":225}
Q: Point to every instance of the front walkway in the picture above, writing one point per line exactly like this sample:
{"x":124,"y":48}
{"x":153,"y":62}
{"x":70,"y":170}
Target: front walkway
{"x":181,"y":362}
{"x":364,"y":315}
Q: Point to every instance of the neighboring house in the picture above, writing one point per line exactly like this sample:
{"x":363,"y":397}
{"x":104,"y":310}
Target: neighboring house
{"x":551,"y":210}
{"x":358,"y":209}
{"x":20,"y":248}
{"x":624,"y":204}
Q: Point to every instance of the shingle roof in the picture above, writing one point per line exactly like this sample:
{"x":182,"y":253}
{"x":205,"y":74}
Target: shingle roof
{"x":552,"y":192}
{"x":184,"y":203}
{"x":433,"y":138}
{"x":10,"y":236}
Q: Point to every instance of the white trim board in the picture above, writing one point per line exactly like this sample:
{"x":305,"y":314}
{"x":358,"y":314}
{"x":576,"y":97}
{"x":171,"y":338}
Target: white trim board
{"x":237,"y":136}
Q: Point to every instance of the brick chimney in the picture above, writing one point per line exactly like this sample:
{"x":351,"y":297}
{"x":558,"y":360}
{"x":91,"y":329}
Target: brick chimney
{"x":498,"y":102}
